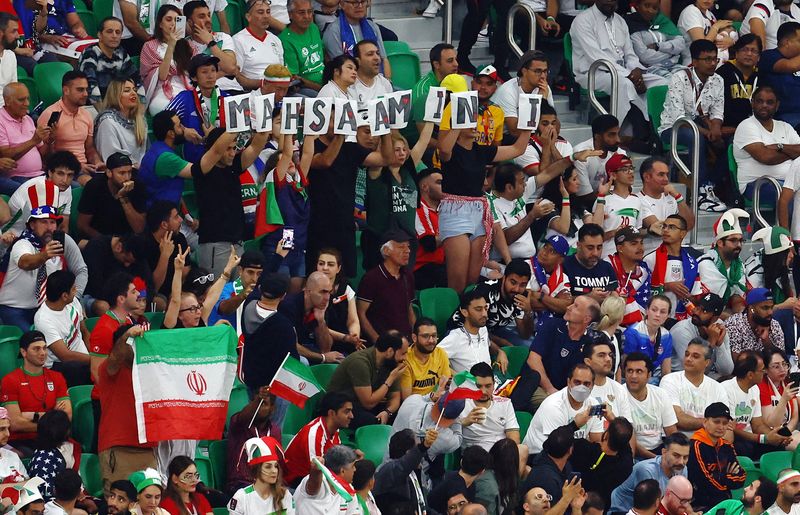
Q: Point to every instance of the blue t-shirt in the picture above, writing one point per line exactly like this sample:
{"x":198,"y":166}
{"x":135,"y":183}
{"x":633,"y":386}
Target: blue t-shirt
{"x":56,"y":17}
{"x":583,"y":280}
{"x":214,"y":317}
{"x":637,"y":340}
{"x":559,"y":353}
{"x":786,"y":85}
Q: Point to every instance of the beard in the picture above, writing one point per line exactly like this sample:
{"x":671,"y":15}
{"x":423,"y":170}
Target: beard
{"x":762,"y":321}
{"x":699,"y":322}
{"x":180,"y":139}
{"x":12,"y":45}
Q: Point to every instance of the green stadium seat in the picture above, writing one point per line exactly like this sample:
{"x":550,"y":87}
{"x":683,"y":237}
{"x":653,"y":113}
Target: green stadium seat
{"x":73,"y":219}
{"x":524,"y":419}
{"x":9,"y":352}
{"x":87,"y":17}
{"x":90,"y":321}
{"x":568,"y":59}
{"x":296,"y":417}
{"x":83,"y":424}
{"x":221,"y":511}
{"x":773,"y":462}
{"x":251,"y":244}
{"x":21,"y":72}
{"x":750,"y":468}
{"x":102,"y":9}
{"x":405,"y":68}
{"x":238,"y":400}
{"x":373,"y":441}
{"x":396,"y":46}
{"x":9,"y":331}
{"x":33,"y":90}
{"x":218,"y":455}
{"x":439,"y":305}
{"x":323,"y":373}
{"x":205,"y":470}
{"x":156,"y":319}
{"x":286,"y":438}
{"x":80,"y":393}
{"x":517,"y":356}
{"x":48,"y":81}
{"x":90,"y":473}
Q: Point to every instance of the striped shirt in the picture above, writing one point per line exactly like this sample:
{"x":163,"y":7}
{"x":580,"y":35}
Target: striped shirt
{"x":311,"y":441}
{"x":100,"y":69}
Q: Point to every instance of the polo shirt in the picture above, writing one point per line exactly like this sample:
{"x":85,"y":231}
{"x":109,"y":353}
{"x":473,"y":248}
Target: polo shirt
{"x":389,"y":298}
{"x":117,"y":409}
{"x":32,"y":392}
{"x":72,"y":129}
{"x":254,"y":54}
{"x":15,"y":132}
{"x":558,"y":351}
{"x":360,"y":369}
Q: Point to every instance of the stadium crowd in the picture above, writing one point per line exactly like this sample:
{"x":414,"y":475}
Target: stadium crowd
{"x":503,"y":321}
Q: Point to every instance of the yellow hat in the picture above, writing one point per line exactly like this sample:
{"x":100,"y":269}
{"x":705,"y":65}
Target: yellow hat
{"x":454,"y":83}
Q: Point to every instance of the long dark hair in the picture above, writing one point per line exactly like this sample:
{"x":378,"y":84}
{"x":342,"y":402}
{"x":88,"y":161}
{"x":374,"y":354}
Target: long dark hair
{"x":505,"y":465}
{"x":776,"y":271}
{"x":176,"y":467}
{"x":183,"y":52}
{"x":552,"y":190}
{"x":54,"y":429}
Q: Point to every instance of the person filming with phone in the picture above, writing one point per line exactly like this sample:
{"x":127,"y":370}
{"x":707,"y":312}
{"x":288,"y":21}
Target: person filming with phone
{"x":39,"y":251}
{"x":778,"y":394}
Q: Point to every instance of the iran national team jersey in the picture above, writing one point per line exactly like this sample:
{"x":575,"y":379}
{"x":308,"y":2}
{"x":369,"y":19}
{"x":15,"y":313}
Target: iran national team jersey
{"x":246,"y":501}
{"x":661,"y":208}
{"x":620,"y":212}
{"x":253,"y":54}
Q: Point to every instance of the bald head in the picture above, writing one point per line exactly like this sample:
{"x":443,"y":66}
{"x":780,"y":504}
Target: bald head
{"x":317,"y":291}
{"x":474,"y":509}
{"x":678,"y":495}
{"x":537,"y":501}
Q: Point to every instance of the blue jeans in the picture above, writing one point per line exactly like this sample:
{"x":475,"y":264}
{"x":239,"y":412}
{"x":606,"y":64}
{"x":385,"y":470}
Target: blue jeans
{"x":8,"y":185}
{"x":20,"y":317}
{"x":685,"y":138}
{"x":768,"y":193}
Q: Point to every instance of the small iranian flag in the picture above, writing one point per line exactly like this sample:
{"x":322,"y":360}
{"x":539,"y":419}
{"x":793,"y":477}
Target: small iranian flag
{"x":342,"y":487}
{"x":463,"y":386}
{"x":294,"y":382}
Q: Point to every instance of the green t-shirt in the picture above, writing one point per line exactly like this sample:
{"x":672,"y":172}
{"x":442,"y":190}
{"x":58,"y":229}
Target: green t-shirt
{"x":303,"y":53}
{"x":169,"y":165}
{"x":360,"y":369}
{"x":728,"y":507}
{"x":420,"y":94}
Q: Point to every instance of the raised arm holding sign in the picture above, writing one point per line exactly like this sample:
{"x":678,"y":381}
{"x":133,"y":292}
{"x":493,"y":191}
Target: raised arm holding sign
{"x":529,"y":110}
{"x":464,"y":110}
{"x":434,"y":104}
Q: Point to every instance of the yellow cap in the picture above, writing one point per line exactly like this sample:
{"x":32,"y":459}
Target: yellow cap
{"x":454,"y":83}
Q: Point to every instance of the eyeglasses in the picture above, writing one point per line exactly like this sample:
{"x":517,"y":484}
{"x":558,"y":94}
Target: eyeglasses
{"x":538,"y":71}
{"x":708,"y":59}
{"x":190,"y":478}
{"x":783,"y":365}
{"x":673,"y":227}
{"x":193,"y":309}
{"x":204,"y":279}
{"x":681,"y":500}
{"x":543,"y":497}
{"x":625,"y":169}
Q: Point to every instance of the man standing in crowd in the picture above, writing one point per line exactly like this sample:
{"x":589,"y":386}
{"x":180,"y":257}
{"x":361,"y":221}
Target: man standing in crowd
{"x":443,"y":63}
{"x":163,"y":169}
{"x":704,"y":325}
{"x":306,"y":310}
{"x":531,"y":80}
{"x":470,"y":344}
{"x":605,"y":137}
{"x":370,"y":82}
{"x":429,"y":270}
{"x":660,"y":200}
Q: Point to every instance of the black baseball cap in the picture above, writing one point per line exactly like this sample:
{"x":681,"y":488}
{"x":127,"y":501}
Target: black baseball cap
{"x":252,"y":259}
{"x":627,"y":234}
{"x":712,"y":303}
{"x":118,"y":160}
{"x":716,"y":410}
{"x":396,"y":235}
{"x":202,"y":60}
{"x":273,"y":284}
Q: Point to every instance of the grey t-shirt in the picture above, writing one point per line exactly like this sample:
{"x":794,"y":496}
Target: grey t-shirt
{"x":685,"y":331}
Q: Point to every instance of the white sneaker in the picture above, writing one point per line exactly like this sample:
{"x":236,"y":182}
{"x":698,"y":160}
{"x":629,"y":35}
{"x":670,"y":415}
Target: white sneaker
{"x":432,"y":10}
{"x":708,"y":200}
{"x":483,"y":35}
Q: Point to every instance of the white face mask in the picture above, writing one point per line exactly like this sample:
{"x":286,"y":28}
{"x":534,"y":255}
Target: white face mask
{"x":580,"y":393}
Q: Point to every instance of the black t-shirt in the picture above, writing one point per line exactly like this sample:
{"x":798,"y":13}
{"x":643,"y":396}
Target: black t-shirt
{"x":102,"y":264}
{"x":737,"y":100}
{"x":502,"y":312}
{"x":108,"y":217}
{"x":464,"y":173}
{"x":583,"y":279}
{"x":219,"y":197}
{"x":294,"y":308}
{"x":265,"y":349}
{"x":151,"y":253}
{"x":332,"y":191}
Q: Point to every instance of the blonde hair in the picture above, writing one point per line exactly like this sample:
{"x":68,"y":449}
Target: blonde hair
{"x":612,"y":310}
{"x":112,"y":101}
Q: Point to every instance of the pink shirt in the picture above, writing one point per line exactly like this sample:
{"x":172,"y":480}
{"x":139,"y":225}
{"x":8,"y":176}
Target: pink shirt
{"x":72,"y":130}
{"x":15,"y":132}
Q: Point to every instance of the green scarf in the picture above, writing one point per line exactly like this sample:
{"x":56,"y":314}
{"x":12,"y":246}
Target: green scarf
{"x":734,"y":275}
{"x":663,"y":24}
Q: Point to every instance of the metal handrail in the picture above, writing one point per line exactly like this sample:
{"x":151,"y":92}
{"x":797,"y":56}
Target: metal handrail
{"x":695,"y":151}
{"x":512,"y":13}
{"x":447,"y":25}
{"x":757,"y":198}
{"x":614,"y":86}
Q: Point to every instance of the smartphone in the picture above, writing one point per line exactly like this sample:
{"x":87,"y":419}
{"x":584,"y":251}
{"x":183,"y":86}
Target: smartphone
{"x":54,"y":117}
{"x":784,"y":431}
{"x":574,"y":475}
{"x":794,"y":377}
{"x":180,"y":26}
{"x":597,"y":410}
{"x":288,"y":238}
{"x":58,"y":236}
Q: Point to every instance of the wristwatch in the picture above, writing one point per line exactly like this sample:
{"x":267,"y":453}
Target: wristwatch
{"x":780,"y":147}
{"x":211,"y":44}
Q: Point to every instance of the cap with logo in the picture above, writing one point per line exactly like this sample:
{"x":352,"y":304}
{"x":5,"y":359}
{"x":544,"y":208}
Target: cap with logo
{"x":141,"y":479}
{"x":758,"y":295}
{"x":627,"y":234}
{"x":616,"y":162}
{"x":716,"y":410}
{"x":487,"y":71}
{"x":118,"y":160}
{"x":559,"y":243}
{"x":712,"y":303}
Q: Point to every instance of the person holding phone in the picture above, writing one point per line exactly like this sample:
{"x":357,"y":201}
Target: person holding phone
{"x":778,"y":396}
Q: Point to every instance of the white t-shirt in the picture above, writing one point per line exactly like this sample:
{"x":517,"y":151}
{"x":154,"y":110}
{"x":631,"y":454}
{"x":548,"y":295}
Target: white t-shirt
{"x":51,"y":508}
{"x":691,"y":17}
{"x":253,"y":55}
{"x":751,"y":131}
{"x":554,"y":412}
{"x":772,"y":17}
{"x":593,"y":170}
{"x":776,"y":510}
{"x":19,"y":204}
{"x":246,"y":501}
{"x":331,"y":90}
{"x":744,"y":406}
{"x":326,"y":502}
{"x":507,"y":97}
{"x":620,"y":212}
{"x":661,"y":208}
{"x":615,"y":395}
{"x":8,"y":71}
{"x":363,"y":93}
{"x":509,"y":213}
{"x":792,"y":182}
{"x":464,"y":349}
{"x":532,"y":157}
{"x":650,"y":416}
{"x":61,"y":325}
{"x":692,"y":400}
{"x":500,"y":417}
{"x":19,"y":287}
{"x":11,"y":465}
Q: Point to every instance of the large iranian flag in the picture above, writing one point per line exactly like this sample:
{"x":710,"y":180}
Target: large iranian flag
{"x":182,"y":380}
{"x":294,"y":382}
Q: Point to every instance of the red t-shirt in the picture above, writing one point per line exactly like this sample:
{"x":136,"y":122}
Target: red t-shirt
{"x":312,"y":440}
{"x":117,"y":411}
{"x":102,"y":340}
{"x":33,"y":393}
{"x":200,"y":506}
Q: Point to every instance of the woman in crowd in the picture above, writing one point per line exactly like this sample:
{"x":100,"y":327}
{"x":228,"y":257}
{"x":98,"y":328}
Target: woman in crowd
{"x":772,"y":265}
{"x":54,"y":450}
{"x":392,"y":197}
{"x":181,"y":496}
{"x":121,"y":126}
{"x":569,"y":214}
{"x":341,"y":315}
{"x":498,"y":487}
{"x":612,"y":311}
{"x":779,"y":403}
{"x":651,"y":338}
{"x":165,"y":61}
{"x":268,"y":493}
{"x":698,"y":22}
{"x":187,"y":309}
{"x":148,"y":492}
{"x":340,"y":73}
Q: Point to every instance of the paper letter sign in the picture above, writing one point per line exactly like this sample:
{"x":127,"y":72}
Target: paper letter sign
{"x":237,"y":113}
{"x":399,"y":106}
{"x":261,"y":107}
{"x":378,"y":117}
{"x":464,"y":110}
{"x":530,"y":106}
{"x":344,"y":117}
{"x":317,"y":116}
{"x":290,"y":118}
{"x":434,"y":105}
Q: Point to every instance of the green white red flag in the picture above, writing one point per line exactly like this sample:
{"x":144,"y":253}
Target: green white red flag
{"x":294,"y":382}
{"x":464,"y":386}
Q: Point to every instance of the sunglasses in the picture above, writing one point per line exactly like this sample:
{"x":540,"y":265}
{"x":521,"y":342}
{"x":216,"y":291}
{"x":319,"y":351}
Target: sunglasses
{"x":203,"y":279}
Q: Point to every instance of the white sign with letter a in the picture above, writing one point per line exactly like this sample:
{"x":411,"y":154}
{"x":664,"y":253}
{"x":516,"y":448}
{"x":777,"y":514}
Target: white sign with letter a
{"x":344,"y":117}
{"x":530,"y":108}
{"x":378,"y":117}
